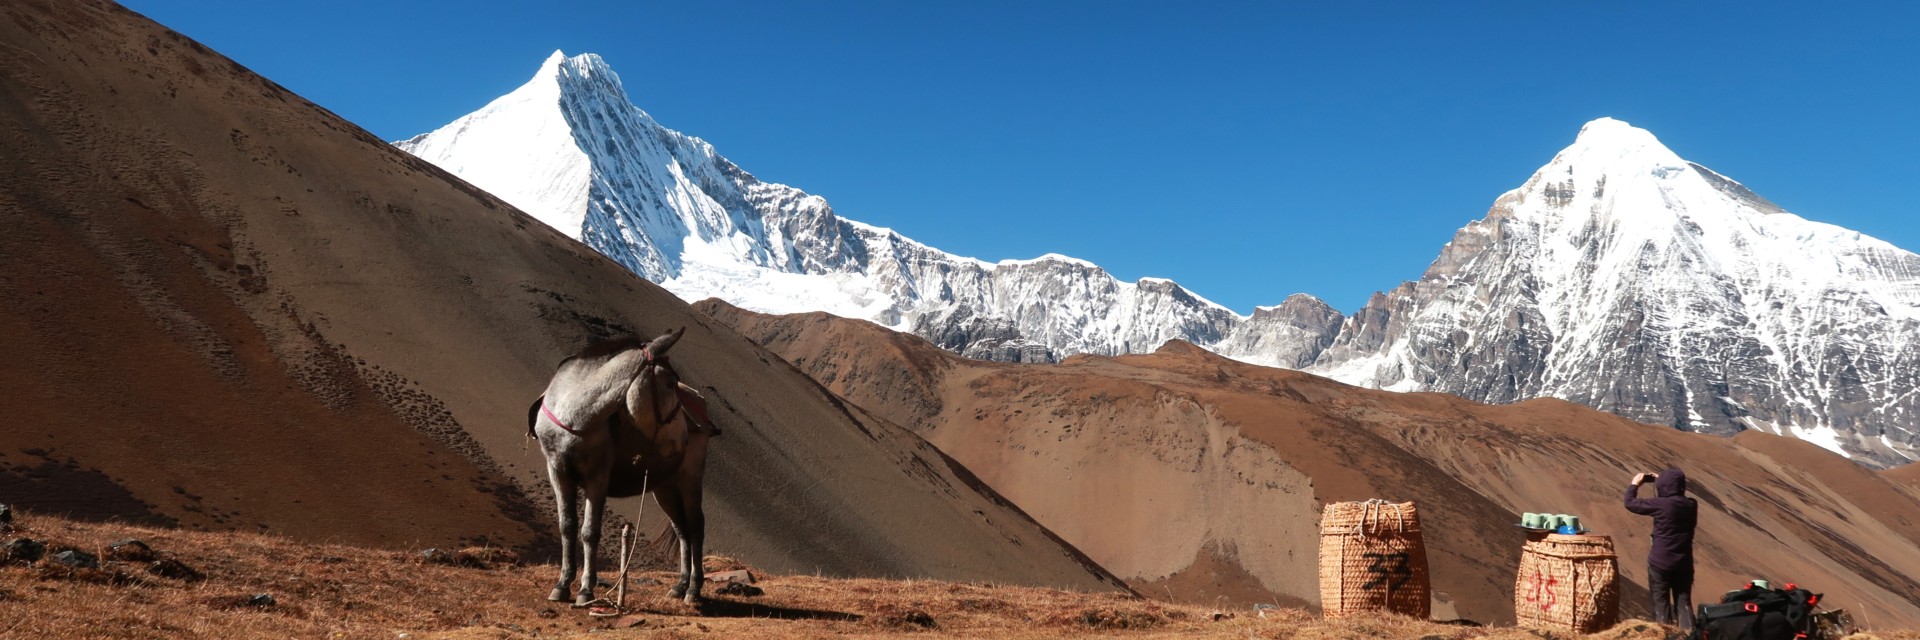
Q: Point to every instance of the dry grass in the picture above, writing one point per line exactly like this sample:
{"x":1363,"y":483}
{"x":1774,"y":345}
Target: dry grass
{"x":331,"y":591}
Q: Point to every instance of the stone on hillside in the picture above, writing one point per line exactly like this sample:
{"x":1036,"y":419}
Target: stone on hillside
{"x":741,"y":576}
{"x":256,"y":601}
{"x":22,"y":550}
{"x":738,"y":589}
{"x":76,"y":559}
{"x":175,"y":569}
{"x":130,"y":550}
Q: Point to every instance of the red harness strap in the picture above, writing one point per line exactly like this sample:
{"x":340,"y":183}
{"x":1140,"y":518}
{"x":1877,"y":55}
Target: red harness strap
{"x":555,"y":419}
{"x":648,"y":355}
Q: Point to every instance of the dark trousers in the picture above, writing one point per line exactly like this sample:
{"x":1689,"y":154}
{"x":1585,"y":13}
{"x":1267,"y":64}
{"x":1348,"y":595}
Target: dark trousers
{"x":1672,"y":593}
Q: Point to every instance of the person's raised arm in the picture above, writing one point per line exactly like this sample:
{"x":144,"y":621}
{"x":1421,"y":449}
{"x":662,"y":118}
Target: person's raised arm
{"x":1635,"y":503}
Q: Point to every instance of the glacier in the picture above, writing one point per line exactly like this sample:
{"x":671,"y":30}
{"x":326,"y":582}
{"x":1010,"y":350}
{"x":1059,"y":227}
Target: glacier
{"x":1618,"y":276}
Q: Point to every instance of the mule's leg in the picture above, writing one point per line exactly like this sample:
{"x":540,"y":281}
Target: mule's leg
{"x":693,"y":538}
{"x":596,"y":490}
{"x":566,"y":504}
{"x":670,"y":504}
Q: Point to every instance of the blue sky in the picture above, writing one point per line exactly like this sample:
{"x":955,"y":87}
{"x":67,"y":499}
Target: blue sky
{"x":1247,"y":150}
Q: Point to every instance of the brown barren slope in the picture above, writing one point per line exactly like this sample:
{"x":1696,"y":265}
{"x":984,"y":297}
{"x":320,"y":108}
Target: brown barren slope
{"x":224,"y":307}
{"x":1184,"y":470}
{"x":1908,"y":475}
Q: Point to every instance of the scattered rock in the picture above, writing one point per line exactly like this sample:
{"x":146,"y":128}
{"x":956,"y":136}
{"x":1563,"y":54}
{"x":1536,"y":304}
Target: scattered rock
{"x":549,"y":613}
{"x":130,"y":550}
{"x":436,"y":556}
{"x":738,"y":589}
{"x":22,"y":550}
{"x":255,"y":601}
{"x":629,"y":622}
{"x":1219,"y":615}
{"x":175,"y":569}
{"x":6,"y":514}
{"x":76,"y":559}
{"x":1264,"y":610}
{"x":741,"y":576}
{"x":647,"y":582}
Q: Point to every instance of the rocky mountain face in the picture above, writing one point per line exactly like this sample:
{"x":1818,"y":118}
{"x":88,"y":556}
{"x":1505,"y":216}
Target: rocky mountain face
{"x":1619,"y":276}
{"x":572,"y":149}
{"x":1627,"y":279}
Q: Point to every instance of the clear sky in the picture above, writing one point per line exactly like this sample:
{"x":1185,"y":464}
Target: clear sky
{"x":1247,"y":150}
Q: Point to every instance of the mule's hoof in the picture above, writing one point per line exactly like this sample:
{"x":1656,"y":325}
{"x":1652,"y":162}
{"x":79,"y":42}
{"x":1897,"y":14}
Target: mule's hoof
{"x":583,"y":599}
{"x":677,"y":590}
{"x":558,"y":595}
{"x":694,"y":599}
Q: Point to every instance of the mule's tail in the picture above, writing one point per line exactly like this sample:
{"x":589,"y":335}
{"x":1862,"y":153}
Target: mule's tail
{"x":533,"y":413}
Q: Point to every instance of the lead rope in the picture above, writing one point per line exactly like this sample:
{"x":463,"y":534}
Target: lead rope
{"x":629,"y":542}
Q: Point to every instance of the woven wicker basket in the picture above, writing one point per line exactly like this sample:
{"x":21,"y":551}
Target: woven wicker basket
{"x":1372,"y":559}
{"x":1567,"y":583}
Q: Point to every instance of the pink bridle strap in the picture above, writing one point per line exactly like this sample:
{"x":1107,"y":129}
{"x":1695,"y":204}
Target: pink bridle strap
{"x":556,"y":420}
{"x":644,"y":353}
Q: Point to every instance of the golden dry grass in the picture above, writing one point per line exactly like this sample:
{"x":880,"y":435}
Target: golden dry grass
{"x":335,"y":591}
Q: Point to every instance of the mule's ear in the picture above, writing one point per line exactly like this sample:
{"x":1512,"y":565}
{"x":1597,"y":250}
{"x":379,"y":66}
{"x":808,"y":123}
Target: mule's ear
{"x":661,"y":344}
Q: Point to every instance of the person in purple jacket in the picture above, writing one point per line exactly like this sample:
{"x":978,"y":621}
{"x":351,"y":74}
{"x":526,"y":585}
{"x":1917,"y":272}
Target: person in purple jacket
{"x":1670,"y":561}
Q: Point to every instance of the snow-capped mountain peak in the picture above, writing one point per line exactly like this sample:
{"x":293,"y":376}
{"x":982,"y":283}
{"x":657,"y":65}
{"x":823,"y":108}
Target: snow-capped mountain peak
{"x":1619,"y":276}
{"x":570,"y":148}
{"x":1626,"y":278}
{"x":1605,"y":137}
{"x":546,"y":178}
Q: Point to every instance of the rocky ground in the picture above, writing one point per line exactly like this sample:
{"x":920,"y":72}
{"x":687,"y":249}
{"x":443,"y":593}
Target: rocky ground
{"x":184,"y":584}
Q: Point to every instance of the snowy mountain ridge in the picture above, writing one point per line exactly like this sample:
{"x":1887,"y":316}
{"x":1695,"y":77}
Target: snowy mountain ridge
{"x":1625,"y":278}
{"x":1606,"y":279}
{"x":569,"y":148}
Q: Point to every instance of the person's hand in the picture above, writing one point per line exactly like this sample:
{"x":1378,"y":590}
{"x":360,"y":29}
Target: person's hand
{"x":1642,"y":478}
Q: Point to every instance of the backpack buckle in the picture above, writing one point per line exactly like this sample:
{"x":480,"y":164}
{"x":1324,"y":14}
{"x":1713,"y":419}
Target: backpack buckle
{"x":1752,"y":607}
{"x":1792,"y":586}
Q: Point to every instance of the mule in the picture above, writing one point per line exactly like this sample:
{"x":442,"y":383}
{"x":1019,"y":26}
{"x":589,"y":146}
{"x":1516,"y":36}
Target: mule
{"x":615,"y":421}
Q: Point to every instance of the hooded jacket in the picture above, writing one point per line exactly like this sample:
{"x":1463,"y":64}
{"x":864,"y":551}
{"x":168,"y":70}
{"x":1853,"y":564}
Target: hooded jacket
{"x":1674,"y":515}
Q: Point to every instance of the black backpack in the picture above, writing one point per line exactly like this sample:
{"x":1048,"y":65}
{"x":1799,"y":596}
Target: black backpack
{"x":1754,"y":613}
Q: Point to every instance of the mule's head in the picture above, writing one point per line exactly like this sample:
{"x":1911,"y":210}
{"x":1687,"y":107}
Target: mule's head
{"x":659,"y":346}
